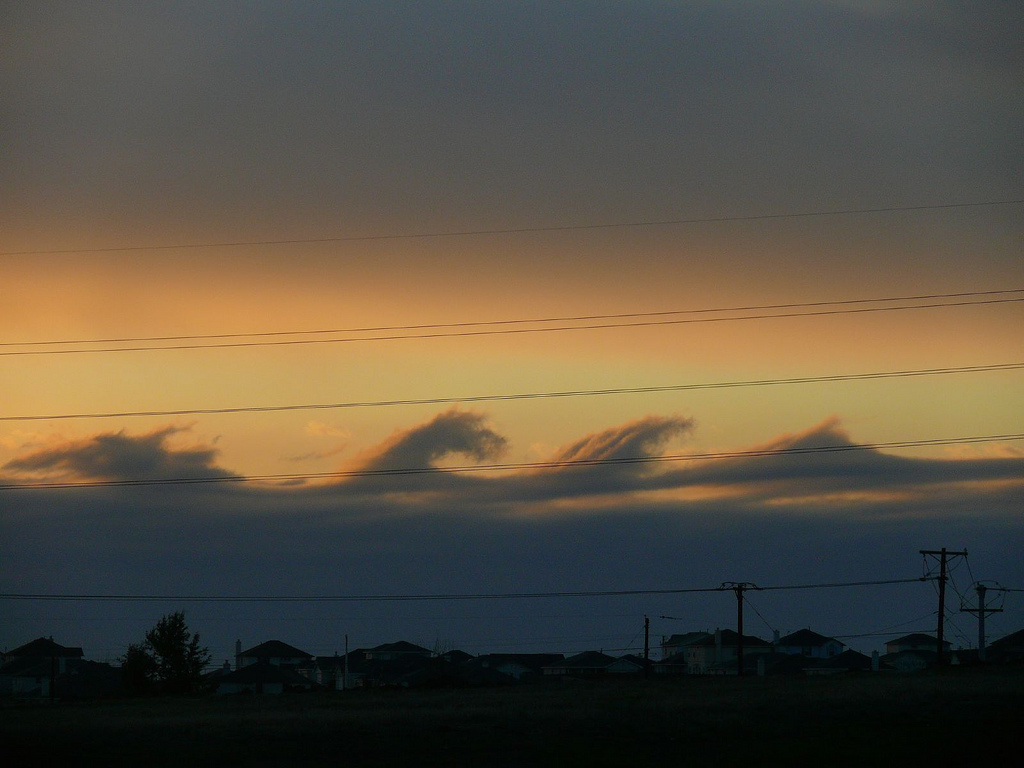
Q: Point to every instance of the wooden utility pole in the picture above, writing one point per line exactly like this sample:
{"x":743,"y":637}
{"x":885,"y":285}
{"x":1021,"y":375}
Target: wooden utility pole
{"x":981,"y":610}
{"x":344,"y":680}
{"x":647,"y":647}
{"x":739,"y":588}
{"x":739,"y":630}
{"x":943,"y":555}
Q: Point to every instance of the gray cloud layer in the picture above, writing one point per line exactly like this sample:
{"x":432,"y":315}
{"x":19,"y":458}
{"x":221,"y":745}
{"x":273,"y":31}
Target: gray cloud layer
{"x":811,"y":518}
{"x":444,"y":113}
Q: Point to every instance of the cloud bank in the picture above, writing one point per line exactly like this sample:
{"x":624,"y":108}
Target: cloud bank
{"x":856,"y":515}
{"x":118,"y":456}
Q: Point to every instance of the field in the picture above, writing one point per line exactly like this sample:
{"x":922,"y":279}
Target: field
{"x":955,"y":717}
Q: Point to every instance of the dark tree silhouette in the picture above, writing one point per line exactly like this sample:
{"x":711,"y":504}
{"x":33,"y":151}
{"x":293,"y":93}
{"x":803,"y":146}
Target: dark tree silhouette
{"x":138,"y":670}
{"x":170,"y":660}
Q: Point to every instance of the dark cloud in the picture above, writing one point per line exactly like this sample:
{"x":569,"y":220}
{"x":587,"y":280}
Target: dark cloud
{"x":796,"y":476}
{"x":802,"y":519}
{"x":119,"y":456}
{"x":846,"y":467}
{"x":452,"y":433}
{"x":633,"y":440}
{"x":799,"y":476}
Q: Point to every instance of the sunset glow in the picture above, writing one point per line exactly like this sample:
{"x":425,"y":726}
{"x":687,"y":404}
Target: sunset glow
{"x":244,"y":207}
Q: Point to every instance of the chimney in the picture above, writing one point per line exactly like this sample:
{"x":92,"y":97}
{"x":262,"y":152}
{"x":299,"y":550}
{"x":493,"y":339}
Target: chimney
{"x":775,"y":637}
{"x":874,"y":661}
{"x":238,"y":654}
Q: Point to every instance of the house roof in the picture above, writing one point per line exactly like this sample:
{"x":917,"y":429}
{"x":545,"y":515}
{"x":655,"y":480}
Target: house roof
{"x":634,"y":658}
{"x":918,"y":638}
{"x":805,"y":637}
{"x":44,"y":646}
{"x":275,"y":649}
{"x":685,"y":638}
{"x":585,"y":660}
{"x":1013,"y":640}
{"x":400,"y":647}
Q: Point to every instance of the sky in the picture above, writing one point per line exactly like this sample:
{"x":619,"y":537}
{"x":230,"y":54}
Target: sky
{"x":451,"y":212}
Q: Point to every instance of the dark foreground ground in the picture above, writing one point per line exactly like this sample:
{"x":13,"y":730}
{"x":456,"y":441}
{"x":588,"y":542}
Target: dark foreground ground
{"x":962,"y":717}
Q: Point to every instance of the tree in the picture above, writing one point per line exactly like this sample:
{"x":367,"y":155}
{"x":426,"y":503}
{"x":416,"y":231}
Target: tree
{"x":170,"y":660}
{"x":138,"y":670}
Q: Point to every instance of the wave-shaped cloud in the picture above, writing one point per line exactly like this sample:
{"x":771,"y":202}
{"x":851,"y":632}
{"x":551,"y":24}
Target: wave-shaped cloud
{"x":452,"y":433}
{"x":850,"y":477}
{"x":119,"y":456}
{"x":634,"y":439}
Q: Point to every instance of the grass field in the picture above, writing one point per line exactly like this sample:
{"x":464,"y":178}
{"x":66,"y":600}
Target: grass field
{"x":955,"y":717}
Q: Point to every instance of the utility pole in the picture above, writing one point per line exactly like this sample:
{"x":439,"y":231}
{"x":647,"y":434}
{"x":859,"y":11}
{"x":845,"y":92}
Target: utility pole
{"x":943,"y":555}
{"x":344,"y":680}
{"x":647,"y":647}
{"x":739,"y":588}
{"x":981,"y":610}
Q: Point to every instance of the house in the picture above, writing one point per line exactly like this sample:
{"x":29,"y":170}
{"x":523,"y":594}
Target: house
{"x":804,"y":642}
{"x":670,"y":665}
{"x":910,"y":660}
{"x":44,"y":669}
{"x":263,"y":677}
{"x":716,"y":654}
{"x":586,"y":664}
{"x":88,"y":680}
{"x":329,"y":671}
{"x":272,"y":652}
{"x":456,"y":656}
{"x":45,"y":648}
{"x":1007,"y":649}
{"x":341,"y":672}
{"x":396,"y":651}
{"x":516,"y":667}
{"x":916,"y":642}
{"x":391,"y":664}
{"x":674,"y":644}
{"x":630,"y":664}
{"x":32,"y":670}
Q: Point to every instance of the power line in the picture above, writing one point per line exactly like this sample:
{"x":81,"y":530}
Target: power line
{"x":521,"y":321}
{"x":343,"y":598}
{"x":567,"y":464}
{"x":515,"y":331}
{"x":527,"y":395}
{"x":759,"y":615}
{"x":515,"y":230}
{"x":128,"y":598}
{"x":845,"y":584}
{"x":892,"y":629}
{"x":879,"y":634}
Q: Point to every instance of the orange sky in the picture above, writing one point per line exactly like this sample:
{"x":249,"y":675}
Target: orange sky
{"x":140,"y":128}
